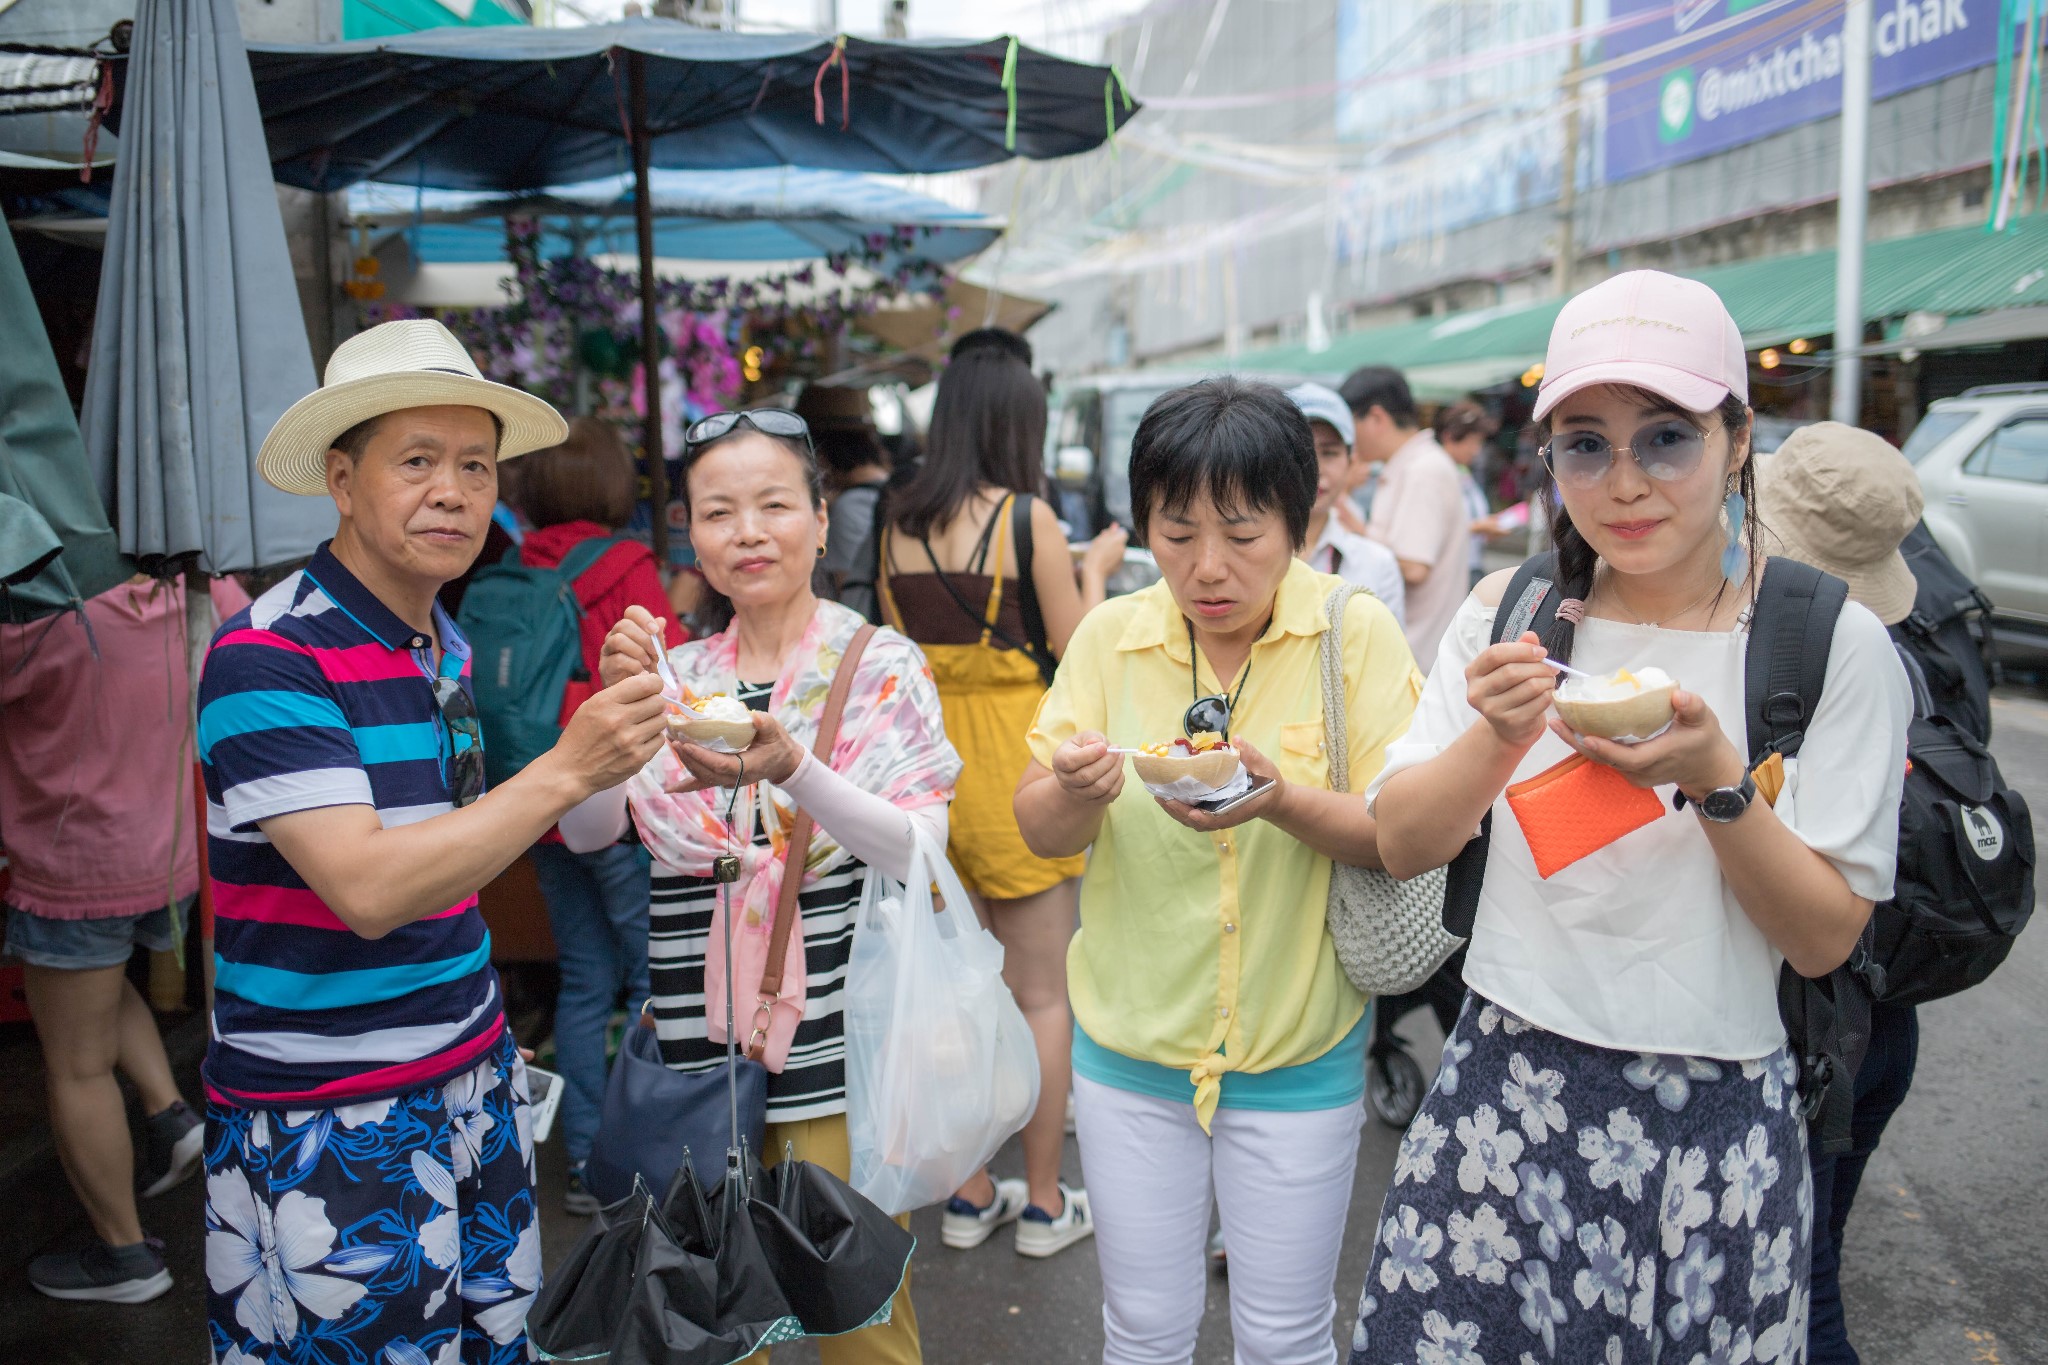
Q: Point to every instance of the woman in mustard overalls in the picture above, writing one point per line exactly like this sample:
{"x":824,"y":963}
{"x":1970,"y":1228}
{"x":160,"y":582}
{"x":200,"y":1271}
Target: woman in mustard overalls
{"x":976,"y":570}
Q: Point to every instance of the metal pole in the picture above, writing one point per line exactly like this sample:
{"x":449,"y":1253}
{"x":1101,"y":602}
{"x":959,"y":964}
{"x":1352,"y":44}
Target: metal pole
{"x":1851,"y":215}
{"x":1568,"y":184}
{"x":650,"y":322}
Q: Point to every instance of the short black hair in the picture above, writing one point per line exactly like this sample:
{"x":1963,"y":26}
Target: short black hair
{"x":1380,"y":386}
{"x":356,"y":439}
{"x":1000,"y":339}
{"x":1243,"y":443}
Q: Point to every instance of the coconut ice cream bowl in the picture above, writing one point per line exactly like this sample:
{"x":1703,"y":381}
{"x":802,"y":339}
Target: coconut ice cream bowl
{"x":1627,"y":719}
{"x":699,"y":725}
{"x":1214,"y":768}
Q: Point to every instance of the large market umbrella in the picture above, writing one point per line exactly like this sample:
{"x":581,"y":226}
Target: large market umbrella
{"x":199,"y":344}
{"x":784,"y":213}
{"x":46,"y":496}
{"x":522,"y":108}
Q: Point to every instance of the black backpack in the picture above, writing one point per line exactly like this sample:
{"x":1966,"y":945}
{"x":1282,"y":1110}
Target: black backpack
{"x":1949,"y":636}
{"x":1965,"y":841}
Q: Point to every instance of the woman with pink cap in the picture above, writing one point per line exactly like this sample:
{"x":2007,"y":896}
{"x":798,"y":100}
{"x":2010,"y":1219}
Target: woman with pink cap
{"x":1611,"y":1166}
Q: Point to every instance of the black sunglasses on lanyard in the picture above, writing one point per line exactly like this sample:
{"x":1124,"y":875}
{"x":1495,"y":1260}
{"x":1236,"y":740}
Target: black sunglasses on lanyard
{"x":466,"y":765}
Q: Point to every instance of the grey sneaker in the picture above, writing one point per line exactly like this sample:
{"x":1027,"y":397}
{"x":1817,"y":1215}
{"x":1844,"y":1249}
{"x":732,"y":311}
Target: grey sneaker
{"x":1039,"y":1234}
{"x":104,"y":1274}
{"x":177,"y":1139}
{"x":965,"y":1227}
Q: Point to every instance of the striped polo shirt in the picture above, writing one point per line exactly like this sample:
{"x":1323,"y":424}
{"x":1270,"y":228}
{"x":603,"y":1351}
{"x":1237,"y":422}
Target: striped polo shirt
{"x":319,"y":695}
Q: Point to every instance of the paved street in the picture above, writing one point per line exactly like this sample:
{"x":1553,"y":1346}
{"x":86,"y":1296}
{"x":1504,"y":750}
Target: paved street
{"x":1943,"y":1267}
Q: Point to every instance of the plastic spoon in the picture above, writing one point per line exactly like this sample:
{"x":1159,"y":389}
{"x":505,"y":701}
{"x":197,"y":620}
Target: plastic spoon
{"x":1575,"y":672}
{"x":669,"y":682}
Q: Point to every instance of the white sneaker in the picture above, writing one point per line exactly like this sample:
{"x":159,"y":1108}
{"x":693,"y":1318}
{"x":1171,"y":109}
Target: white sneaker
{"x":965,"y":1227}
{"x":1039,"y":1234}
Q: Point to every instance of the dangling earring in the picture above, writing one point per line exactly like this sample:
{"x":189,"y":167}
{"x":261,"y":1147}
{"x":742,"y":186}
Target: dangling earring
{"x":1735,"y":559}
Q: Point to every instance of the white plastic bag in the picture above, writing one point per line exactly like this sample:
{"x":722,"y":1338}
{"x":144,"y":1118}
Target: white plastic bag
{"x":940,"y":1065}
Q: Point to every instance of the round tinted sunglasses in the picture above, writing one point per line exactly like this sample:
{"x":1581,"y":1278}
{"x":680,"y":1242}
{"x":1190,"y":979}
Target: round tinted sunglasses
{"x":1666,"y":450}
{"x":770,"y":421}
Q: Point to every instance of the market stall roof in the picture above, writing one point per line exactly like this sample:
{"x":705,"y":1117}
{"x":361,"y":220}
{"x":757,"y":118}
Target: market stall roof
{"x":1998,"y":328}
{"x":1950,"y":273}
{"x":769,"y":214}
{"x":524,"y":108}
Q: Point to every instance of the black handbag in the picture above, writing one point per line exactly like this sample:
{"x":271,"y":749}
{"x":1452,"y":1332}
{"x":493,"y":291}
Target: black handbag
{"x":653,"y":1115}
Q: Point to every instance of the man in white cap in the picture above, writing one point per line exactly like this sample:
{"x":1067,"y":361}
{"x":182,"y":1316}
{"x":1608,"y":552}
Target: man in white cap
{"x":1330,"y":547}
{"x":369,"y":1149}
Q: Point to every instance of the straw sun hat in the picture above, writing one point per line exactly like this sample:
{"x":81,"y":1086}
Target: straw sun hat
{"x":1841,"y":499}
{"x":412,"y":364}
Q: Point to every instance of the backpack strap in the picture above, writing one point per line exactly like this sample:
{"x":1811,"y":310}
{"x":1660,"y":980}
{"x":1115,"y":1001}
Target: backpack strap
{"x":787,"y":909}
{"x":585,"y":554}
{"x":1027,"y":589}
{"x":1791,"y":628}
{"x":1530,"y":603}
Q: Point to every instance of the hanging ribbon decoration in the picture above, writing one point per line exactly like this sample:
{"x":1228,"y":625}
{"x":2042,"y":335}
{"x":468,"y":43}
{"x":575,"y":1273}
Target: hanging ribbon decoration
{"x":1010,"y":89}
{"x":837,"y":58}
{"x":1113,"y":84}
{"x":2015,"y":99}
{"x":102,"y":105}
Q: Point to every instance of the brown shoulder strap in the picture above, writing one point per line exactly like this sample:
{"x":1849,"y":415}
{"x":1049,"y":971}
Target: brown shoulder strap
{"x":787,"y":911}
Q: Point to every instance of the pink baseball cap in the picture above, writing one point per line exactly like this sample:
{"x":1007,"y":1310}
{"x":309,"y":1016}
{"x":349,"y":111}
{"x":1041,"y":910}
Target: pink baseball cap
{"x":1651,"y":331}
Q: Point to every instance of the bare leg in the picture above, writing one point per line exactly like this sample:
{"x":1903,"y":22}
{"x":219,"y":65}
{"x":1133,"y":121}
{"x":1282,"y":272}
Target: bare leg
{"x":142,"y":1053}
{"x":1035,"y":932}
{"x":78,"y":1020}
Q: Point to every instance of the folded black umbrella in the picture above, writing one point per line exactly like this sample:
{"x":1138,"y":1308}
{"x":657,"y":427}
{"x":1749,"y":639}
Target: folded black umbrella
{"x":578,"y":1310}
{"x":837,"y":1256}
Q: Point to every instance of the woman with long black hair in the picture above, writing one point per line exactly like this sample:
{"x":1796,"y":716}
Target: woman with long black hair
{"x":975,"y":569}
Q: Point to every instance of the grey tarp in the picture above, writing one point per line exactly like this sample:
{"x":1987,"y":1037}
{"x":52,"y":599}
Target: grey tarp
{"x":200,"y":344}
{"x":43,"y":465}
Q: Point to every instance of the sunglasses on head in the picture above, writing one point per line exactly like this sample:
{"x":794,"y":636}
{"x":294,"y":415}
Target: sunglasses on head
{"x":1666,"y":450}
{"x":769,"y":421}
{"x":466,"y":735}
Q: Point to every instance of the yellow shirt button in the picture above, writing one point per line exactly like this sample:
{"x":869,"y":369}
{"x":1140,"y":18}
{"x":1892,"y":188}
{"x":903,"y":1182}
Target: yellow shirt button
{"x":1229,"y":928}
{"x":1223,"y":1013}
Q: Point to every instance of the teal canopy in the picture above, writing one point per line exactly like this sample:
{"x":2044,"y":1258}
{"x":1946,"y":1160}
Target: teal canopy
{"x":46,"y":491}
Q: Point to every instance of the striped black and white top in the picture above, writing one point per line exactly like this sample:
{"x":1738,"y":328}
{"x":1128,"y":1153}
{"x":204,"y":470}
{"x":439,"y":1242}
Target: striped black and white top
{"x":813,"y":1084}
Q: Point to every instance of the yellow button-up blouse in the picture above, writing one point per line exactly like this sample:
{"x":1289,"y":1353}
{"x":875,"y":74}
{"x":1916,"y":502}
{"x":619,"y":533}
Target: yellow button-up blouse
{"x":1209,"y":952}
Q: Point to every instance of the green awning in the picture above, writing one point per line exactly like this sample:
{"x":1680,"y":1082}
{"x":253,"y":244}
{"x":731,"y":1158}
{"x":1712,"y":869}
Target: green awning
{"x":1952,"y":273}
{"x":385,"y":18}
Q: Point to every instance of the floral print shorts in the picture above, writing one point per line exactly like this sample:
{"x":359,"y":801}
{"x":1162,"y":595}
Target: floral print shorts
{"x":391,"y":1232}
{"x":1556,"y":1201}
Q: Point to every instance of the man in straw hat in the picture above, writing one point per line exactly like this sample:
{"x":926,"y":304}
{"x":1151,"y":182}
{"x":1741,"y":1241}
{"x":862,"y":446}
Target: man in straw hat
{"x":1842,"y":500}
{"x":369,"y":1140}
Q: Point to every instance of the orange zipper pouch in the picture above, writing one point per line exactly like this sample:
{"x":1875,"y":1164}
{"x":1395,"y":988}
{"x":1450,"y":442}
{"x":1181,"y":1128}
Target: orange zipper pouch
{"x":1576,"y":808}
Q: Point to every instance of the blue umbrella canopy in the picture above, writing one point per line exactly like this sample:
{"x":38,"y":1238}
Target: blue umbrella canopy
{"x":779,"y":214}
{"x":523,"y":108}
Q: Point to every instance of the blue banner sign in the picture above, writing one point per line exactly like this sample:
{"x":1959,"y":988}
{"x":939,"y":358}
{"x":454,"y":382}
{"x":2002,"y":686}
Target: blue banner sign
{"x":1719,"y":73}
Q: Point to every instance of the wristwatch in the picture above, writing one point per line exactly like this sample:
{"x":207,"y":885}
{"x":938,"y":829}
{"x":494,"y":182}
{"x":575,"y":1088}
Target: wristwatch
{"x":1724,"y":804}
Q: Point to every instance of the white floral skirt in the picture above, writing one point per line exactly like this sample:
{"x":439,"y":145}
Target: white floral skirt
{"x":1559,"y":1201}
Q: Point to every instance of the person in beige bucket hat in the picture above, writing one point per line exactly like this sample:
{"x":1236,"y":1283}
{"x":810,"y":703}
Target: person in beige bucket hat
{"x":1842,"y":499}
{"x":348,"y":833}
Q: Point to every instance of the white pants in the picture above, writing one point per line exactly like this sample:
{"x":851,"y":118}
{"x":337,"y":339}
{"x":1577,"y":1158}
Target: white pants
{"x":1283,"y":1184}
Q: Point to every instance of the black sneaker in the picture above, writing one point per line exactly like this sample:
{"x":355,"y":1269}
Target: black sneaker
{"x":579,"y":1202}
{"x":177,"y":1139}
{"x":104,"y":1274}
